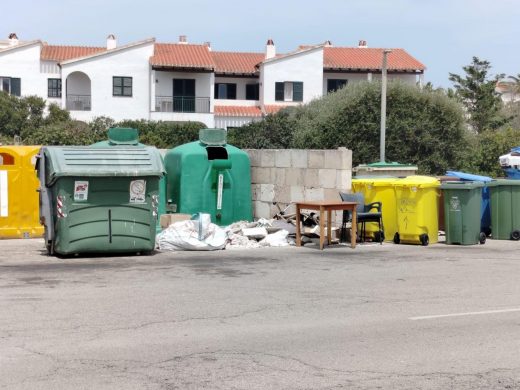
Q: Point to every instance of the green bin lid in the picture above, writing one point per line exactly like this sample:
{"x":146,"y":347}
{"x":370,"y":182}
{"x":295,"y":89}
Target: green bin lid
{"x":123,"y":136}
{"x":461,"y":185}
{"x":86,"y":161}
{"x":503,"y":182}
{"x":213,"y":137}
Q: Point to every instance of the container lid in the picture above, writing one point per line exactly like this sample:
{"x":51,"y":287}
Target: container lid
{"x":213,"y":137}
{"x":503,"y":182}
{"x":123,"y":136}
{"x":375,"y":181}
{"x":468,"y":176}
{"x":419,"y":181}
{"x":461,"y":185}
{"x":117,"y":161}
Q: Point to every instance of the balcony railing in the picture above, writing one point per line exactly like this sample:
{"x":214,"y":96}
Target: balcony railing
{"x":182,"y":104}
{"x":78,"y":102}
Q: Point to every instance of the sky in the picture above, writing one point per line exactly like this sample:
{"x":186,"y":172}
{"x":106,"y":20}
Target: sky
{"x":442,"y":34}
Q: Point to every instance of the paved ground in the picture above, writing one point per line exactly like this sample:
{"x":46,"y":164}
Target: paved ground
{"x":292,"y":318}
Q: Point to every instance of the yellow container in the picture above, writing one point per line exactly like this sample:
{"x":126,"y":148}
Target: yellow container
{"x":417,"y":217}
{"x":379,"y":190}
{"x":19,"y":200}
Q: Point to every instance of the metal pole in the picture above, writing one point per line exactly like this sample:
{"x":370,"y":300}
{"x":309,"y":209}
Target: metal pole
{"x":383,"y":106}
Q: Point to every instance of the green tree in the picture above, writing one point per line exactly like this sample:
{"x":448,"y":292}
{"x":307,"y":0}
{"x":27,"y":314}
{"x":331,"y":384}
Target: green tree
{"x":274,"y":132}
{"x":424,"y":127}
{"x":476,"y":90}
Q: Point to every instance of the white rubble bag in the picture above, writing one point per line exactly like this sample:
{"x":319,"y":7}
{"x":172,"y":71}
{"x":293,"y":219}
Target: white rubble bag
{"x":192,"y":235}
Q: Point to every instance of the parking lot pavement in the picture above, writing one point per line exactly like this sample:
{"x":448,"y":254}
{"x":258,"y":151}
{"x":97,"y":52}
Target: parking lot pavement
{"x":392,"y":317}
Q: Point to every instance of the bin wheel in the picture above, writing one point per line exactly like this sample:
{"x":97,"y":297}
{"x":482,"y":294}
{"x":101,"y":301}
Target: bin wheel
{"x":482,"y":238}
{"x":515,"y":235}
{"x":397,"y":239}
{"x":49,"y":245}
{"x":379,"y":236}
{"x":487,"y":232}
{"x":425,"y":240}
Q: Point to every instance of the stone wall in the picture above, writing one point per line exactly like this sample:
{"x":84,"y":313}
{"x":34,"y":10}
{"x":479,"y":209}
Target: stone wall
{"x":284,"y":176}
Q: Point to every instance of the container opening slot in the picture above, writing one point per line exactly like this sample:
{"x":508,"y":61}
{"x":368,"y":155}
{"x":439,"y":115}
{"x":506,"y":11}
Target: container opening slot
{"x":217,"y":153}
{"x":6,"y":159}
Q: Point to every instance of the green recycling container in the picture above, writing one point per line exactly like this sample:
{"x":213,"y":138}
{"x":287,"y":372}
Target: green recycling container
{"x":209,"y":176}
{"x":462,"y":201}
{"x":505,"y":209}
{"x":126,"y":136}
{"x":102,"y":200}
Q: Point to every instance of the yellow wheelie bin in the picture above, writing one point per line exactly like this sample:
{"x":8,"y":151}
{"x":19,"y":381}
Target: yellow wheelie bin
{"x":19,"y":205}
{"x":379,"y":190}
{"x":417,"y":217}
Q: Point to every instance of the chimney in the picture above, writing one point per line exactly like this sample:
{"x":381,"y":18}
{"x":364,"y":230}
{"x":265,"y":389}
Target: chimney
{"x":270,"y":49}
{"x":208,"y":44}
{"x":111,"y":42}
{"x":362,"y":44}
{"x":183,"y":39}
{"x":13,"y":39}
{"x":328,"y":44}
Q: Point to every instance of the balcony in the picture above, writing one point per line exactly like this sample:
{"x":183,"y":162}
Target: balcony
{"x":78,"y":102}
{"x":199,"y":105}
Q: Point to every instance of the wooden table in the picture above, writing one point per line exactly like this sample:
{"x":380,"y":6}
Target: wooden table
{"x":328,"y":206}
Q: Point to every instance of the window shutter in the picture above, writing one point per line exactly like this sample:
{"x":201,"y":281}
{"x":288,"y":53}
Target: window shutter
{"x":279,"y":91}
{"x":16,"y":87}
{"x":297,"y":91}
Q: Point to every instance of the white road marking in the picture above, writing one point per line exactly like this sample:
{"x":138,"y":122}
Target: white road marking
{"x":471,"y":313}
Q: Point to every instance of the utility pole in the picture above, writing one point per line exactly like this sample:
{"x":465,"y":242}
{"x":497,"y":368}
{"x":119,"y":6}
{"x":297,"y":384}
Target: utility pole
{"x":383,"y":106}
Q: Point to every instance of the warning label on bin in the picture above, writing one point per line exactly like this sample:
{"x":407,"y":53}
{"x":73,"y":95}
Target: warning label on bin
{"x":137,"y":191}
{"x":80,"y":190}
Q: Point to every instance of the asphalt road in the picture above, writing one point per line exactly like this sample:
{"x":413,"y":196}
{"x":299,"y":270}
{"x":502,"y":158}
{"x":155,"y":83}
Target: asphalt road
{"x":388,"y":317}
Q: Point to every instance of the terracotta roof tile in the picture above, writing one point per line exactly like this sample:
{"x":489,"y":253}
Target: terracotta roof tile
{"x":273,"y":108}
{"x":250,"y":111}
{"x":182,"y":56}
{"x":62,"y":53}
{"x":368,"y":58}
{"x":236,"y":63}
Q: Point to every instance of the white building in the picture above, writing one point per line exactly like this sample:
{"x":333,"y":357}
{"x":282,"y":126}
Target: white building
{"x":187,"y":82}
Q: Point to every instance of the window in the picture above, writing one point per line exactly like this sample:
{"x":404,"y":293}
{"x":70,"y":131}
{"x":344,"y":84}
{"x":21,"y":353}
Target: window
{"x":289,"y":91}
{"x":334,"y":84}
{"x":54,"y":88}
{"x":122,"y":86}
{"x":252,"y":92}
{"x":11,"y":85}
{"x":225,"y":91}
{"x":184,"y":96}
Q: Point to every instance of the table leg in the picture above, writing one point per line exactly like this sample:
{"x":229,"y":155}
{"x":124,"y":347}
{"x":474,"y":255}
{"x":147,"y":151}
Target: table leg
{"x":329,"y":226}
{"x":353,"y":229}
{"x":322,"y":227}
{"x":298,"y":226}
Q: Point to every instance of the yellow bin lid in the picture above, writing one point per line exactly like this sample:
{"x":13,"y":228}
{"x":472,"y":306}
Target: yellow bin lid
{"x":419,"y":182}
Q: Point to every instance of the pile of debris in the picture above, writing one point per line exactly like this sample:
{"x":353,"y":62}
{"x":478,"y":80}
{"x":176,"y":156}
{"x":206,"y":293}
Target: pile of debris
{"x":200,"y":234}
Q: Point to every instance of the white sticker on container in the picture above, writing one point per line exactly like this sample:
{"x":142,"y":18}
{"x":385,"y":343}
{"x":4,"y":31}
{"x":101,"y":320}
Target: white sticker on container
{"x":80,"y":191}
{"x":219,"y":191}
{"x":137,"y":191}
{"x":4,"y":201}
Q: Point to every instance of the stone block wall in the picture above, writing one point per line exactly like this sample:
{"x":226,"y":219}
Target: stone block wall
{"x":284,"y":176}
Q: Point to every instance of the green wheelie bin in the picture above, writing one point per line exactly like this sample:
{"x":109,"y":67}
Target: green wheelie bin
{"x":462,"y":201}
{"x":99,"y":200}
{"x":505,"y":209}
